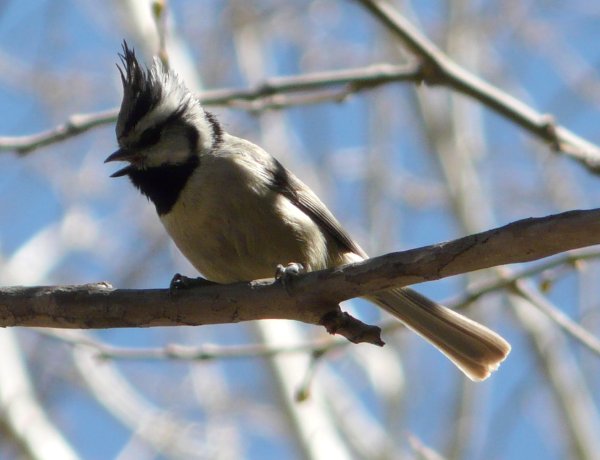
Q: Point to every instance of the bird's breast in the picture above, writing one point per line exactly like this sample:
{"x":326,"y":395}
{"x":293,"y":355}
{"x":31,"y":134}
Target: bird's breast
{"x":232,"y":227}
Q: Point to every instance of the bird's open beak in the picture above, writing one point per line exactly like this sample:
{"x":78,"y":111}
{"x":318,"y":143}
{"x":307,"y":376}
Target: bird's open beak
{"x":121,"y":155}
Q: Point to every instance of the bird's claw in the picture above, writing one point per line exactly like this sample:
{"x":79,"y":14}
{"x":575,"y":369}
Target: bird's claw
{"x":180,"y":281}
{"x":286,"y":274}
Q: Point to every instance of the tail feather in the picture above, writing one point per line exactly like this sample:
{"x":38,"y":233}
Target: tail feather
{"x":473,"y":348}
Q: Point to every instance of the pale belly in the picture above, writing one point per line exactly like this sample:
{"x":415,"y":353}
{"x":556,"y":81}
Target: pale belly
{"x":243,"y":236}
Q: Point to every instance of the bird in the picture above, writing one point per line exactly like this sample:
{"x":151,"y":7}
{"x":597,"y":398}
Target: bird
{"x":236,"y":213}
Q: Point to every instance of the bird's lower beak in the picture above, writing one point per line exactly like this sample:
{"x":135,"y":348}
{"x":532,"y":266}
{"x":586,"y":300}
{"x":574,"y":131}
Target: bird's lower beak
{"x":121,"y":155}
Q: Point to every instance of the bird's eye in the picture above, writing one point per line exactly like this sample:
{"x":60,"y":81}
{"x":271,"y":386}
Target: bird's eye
{"x":149,"y":137}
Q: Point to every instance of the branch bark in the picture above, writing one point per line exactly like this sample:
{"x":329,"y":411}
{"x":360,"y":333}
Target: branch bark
{"x":311,"y":298}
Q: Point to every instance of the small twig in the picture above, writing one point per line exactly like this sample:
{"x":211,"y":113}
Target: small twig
{"x":572,"y":328}
{"x":358,"y":79}
{"x":76,"y":124}
{"x":354,"y":79}
{"x":439,"y":69}
{"x":281,"y":101}
{"x":477,"y":291}
{"x":342,"y":323}
{"x":422,"y":451}
{"x":159,"y":8}
{"x":574,"y":400}
{"x":205,"y":352}
{"x":302,"y":393}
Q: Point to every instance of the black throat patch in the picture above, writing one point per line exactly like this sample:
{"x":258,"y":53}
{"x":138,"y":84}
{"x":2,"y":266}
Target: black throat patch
{"x":163,"y":184}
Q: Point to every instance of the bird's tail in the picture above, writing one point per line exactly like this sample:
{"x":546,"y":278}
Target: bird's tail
{"x":473,"y":348}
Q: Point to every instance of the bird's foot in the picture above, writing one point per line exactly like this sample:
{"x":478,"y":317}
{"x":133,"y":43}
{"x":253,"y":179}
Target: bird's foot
{"x":183,"y":282}
{"x":286,"y":274}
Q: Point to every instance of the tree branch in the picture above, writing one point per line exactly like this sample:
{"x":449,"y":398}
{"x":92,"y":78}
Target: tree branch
{"x":435,"y":68}
{"x":181,"y":352}
{"x":76,"y":124}
{"x":311,"y":298}
{"x":354,"y":80}
{"x":439,"y":69}
{"x":572,"y":328}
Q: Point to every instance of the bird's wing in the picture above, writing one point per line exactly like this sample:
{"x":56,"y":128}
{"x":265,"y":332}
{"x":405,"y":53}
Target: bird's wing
{"x":305,"y":199}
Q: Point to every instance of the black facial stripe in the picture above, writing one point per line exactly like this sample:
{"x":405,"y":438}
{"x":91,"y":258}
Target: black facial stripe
{"x":163,"y":184}
{"x":151,"y":135}
{"x":216,"y":129}
{"x":192,"y":135}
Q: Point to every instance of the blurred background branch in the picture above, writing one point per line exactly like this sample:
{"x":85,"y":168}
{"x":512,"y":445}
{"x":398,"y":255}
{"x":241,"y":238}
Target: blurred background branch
{"x":439,"y":69}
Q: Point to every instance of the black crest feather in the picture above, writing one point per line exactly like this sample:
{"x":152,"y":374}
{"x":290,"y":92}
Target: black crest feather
{"x":141,"y":92}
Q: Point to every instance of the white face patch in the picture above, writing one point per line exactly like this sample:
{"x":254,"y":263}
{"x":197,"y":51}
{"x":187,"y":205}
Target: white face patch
{"x":162,"y":121}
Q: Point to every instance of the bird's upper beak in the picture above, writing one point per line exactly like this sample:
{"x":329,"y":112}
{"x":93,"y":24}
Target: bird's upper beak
{"x":122,"y":154}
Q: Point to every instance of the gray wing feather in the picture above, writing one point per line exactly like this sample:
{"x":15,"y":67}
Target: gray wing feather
{"x":303,"y":197}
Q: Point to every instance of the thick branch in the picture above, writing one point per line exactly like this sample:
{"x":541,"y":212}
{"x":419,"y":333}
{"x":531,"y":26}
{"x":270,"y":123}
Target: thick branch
{"x":311,"y":298}
{"x":440,"y":69}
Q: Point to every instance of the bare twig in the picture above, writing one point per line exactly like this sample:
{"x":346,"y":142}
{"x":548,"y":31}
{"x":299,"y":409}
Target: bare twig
{"x":163,"y":430}
{"x":483,"y":288}
{"x":159,"y":14}
{"x":206,"y":352}
{"x":578,"y":415}
{"x":572,"y":328}
{"x":421,"y":450}
{"x":353,"y":80}
{"x":76,"y":124}
{"x":357,"y":79}
{"x":24,"y":416}
{"x":439,"y":69}
{"x":313,"y":297}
